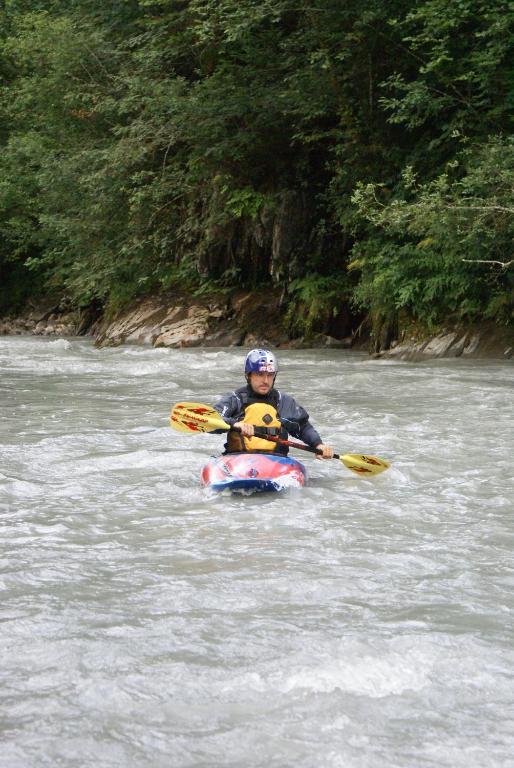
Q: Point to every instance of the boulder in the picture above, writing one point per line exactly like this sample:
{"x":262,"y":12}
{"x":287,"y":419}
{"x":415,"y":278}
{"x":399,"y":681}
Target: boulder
{"x":485,"y":341}
{"x":332,"y":343}
{"x":189,"y":332}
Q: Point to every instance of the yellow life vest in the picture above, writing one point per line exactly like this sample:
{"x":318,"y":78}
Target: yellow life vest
{"x":260,"y":415}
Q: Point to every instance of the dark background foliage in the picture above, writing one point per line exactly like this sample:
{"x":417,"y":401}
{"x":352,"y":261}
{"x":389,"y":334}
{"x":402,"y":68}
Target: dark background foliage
{"x":357,"y":154}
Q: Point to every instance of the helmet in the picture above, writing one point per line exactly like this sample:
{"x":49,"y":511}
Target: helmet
{"x":260,"y":361}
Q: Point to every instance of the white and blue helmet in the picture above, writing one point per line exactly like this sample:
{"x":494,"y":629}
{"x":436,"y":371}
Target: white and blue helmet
{"x":260,"y":361}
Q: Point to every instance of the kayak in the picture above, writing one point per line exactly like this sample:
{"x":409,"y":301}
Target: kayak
{"x":251,"y":472}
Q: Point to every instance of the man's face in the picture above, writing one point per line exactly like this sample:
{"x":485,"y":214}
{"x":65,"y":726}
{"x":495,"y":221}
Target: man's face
{"x":261,"y":383}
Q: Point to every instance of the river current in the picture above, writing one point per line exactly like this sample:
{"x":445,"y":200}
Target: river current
{"x":355,"y":623}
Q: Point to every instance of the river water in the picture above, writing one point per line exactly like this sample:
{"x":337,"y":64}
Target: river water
{"x":356,"y":623}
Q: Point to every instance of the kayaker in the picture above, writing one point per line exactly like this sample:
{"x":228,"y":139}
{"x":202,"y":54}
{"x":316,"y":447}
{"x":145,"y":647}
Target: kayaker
{"x":259,"y":404}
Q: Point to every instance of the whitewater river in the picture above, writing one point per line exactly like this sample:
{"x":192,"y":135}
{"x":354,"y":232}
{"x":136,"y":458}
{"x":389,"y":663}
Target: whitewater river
{"x":357,"y":623}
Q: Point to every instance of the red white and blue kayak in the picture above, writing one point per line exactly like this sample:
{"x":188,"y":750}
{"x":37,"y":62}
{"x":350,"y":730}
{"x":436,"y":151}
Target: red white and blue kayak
{"x":247,"y":472}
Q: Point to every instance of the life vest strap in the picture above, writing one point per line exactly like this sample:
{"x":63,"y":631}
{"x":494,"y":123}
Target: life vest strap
{"x":275,"y":431}
{"x":264,"y":419}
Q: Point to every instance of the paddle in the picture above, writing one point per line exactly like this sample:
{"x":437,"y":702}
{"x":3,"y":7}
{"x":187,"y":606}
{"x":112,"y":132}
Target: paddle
{"x":197,"y":417}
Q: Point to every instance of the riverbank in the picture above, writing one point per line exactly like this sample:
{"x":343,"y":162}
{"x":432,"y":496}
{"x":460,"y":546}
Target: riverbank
{"x":224,"y":319}
{"x":244,"y":318}
{"x":480,"y":340}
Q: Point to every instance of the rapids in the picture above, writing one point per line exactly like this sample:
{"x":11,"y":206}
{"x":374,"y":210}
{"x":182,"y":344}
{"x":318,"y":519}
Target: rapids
{"x":356,"y":623}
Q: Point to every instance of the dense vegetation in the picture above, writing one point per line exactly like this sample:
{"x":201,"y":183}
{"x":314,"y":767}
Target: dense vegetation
{"x":358,"y":151}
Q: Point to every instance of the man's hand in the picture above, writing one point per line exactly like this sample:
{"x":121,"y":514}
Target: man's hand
{"x":328,"y":451}
{"x":244,"y":428}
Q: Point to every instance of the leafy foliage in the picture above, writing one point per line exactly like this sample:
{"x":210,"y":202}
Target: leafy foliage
{"x":315,"y":300}
{"x":151,"y":143}
{"x":443,"y":247}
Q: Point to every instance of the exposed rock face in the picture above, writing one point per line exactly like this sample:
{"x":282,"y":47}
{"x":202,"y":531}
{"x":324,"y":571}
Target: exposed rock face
{"x":43,"y":322}
{"x":273,"y":245}
{"x":477,"y":341}
{"x":183,"y":321}
{"x":244,"y":318}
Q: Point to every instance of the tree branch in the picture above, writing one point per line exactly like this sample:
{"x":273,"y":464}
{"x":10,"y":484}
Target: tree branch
{"x":503,"y":264}
{"x":501,"y":208}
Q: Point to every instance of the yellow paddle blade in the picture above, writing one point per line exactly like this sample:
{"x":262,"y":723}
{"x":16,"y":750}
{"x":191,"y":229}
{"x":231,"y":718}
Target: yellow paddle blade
{"x":196,"y":417}
{"x":364,"y":465}
{"x":182,"y":427}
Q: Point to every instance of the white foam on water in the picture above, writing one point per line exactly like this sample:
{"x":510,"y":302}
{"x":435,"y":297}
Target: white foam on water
{"x":60,"y":344}
{"x":354,"y":622}
{"x":365,"y":675}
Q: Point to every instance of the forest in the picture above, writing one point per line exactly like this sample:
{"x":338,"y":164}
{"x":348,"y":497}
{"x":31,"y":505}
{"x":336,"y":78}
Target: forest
{"x":351,"y":153}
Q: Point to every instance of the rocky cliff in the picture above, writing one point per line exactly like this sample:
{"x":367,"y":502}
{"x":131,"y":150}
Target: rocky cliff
{"x":243,"y":318}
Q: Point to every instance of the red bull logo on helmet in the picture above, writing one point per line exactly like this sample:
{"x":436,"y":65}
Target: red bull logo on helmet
{"x":260,"y":361}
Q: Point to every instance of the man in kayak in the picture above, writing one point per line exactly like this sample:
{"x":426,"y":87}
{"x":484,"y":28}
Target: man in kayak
{"x":259,"y":404}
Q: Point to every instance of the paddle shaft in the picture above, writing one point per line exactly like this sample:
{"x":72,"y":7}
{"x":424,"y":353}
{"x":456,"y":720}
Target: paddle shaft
{"x":262,"y":432}
{"x":199,"y":418}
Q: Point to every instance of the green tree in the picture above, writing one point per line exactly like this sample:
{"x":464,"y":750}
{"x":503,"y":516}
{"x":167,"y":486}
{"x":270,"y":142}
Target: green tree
{"x":156,"y":143}
{"x":444,"y":248}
